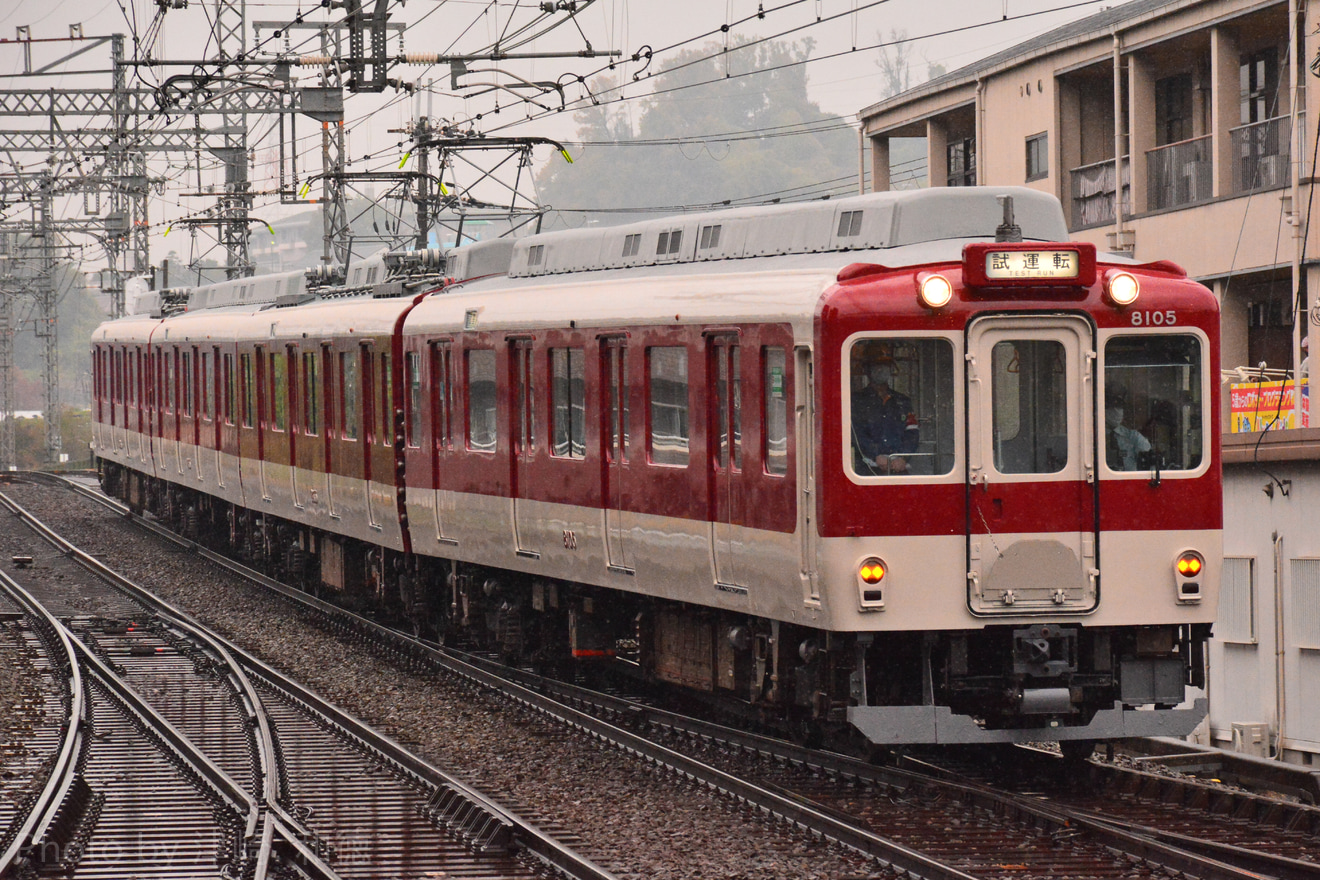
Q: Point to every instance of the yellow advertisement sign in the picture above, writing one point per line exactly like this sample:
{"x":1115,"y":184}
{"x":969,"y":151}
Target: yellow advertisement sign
{"x":1266,"y":406}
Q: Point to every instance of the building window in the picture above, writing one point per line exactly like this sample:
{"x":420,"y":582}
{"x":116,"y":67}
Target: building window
{"x":1259,"y":81}
{"x":1306,"y":602}
{"x":962,"y":162}
{"x":1237,"y":601}
{"x":1038,"y":156}
{"x":1173,"y":109}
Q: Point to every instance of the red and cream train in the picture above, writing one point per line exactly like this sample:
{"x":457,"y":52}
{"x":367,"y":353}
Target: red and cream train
{"x":638,"y":443}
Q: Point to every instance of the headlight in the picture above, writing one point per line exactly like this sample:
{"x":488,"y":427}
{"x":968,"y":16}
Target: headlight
{"x":935,"y":291}
{"x":1122,"y":288}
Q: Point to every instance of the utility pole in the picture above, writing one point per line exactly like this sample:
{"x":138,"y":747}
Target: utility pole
{"x":47,"y":324}
{"x":8,"y":293}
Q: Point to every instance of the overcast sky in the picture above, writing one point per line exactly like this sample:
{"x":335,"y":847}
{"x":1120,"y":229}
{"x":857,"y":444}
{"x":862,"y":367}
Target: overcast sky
{"x":946,"y":32}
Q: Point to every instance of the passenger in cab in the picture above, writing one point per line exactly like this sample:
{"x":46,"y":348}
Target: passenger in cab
{"x":1123,"y":445}
{"x":884,"y":423}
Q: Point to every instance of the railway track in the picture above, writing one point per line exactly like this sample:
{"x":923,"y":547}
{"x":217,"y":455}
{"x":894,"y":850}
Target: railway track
{"x":192,"y":758}
{"x":943,"y":827}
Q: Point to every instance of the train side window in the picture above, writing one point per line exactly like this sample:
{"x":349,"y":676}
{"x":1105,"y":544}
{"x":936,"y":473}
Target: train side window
{"x":279,"y":388}
{"x":386,"y":401}
{"x":524,"y":423}
{"x":171,"y":377}
{"x":442,"y":396}
{"x":186,"y":383}
{"x":207,"y":391}
{"x":1154,"y":402}
{"x":350,"y":389}
{"x":668,"y":389}
{"x":311,"y":395}
{"x":775,"y":417}
{"x":414,"y":380}
{"x":228,"y":404}
{"x":326,"y":388}
{"x":481,"y":400}
{"x":247,"y":404}
{"x":901,"y":406}
{"x":568,"y":403}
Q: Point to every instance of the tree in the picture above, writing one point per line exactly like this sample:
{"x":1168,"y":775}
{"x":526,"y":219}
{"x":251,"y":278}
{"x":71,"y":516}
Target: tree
{"x":703,"y":94}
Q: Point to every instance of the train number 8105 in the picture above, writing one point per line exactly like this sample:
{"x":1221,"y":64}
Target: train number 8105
{"x":1144,"y":318}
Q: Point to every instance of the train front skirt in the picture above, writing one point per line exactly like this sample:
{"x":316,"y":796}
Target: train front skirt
{"x":894,"y":725}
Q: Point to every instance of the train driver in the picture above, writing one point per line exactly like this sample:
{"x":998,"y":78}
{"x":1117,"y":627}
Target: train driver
{"x":1122,"y":444}
{"x":884,"y":424}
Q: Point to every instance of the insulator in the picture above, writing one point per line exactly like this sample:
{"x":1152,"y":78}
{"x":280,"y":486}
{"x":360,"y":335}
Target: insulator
{"x":314,"y":60}
{"x":421,"y":57}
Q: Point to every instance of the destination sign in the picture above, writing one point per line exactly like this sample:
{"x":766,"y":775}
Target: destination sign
{"x":1045,"y":264}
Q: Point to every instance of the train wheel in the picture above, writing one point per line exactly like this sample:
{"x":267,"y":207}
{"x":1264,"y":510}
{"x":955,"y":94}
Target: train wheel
{"x":1077,"y":751}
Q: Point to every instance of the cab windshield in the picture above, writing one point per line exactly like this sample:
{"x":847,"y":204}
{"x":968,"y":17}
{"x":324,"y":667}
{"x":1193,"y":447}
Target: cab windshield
{"x":1153,"y":401}
{"x":901,"y":418}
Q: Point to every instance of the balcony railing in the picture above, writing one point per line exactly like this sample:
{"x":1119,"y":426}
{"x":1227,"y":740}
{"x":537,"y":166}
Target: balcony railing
{"x":1260,"y":154}
{"x":1180,"y":174}
{"x":1093,"y":192}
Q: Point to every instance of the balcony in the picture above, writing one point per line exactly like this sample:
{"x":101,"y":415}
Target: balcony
{"x":1261,"y":155}
{"x":1180,"y":174}
{"x":1093,"y":192}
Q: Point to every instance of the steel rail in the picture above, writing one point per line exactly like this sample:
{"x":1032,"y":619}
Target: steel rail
{"x":1203,"y":859}
{"x":48,"y":802}
{"x":222,"y":786}
{"x":256,"y":716}
{"x":550,"y":851}
{"x":287,"y":829}
{"x":1173,"y":851}
{"x":787,"y":808}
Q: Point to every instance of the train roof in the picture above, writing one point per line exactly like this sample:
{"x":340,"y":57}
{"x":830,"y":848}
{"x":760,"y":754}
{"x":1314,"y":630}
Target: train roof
{"x":867,"y":222}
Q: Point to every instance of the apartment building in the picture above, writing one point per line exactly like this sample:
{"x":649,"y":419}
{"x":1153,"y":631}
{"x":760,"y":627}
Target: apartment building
{"x":1183,"y":130}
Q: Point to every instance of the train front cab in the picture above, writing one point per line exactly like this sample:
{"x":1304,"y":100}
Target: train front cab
{"x":1033,"y":552}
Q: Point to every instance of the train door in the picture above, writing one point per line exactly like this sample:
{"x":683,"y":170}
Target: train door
{"x":614,"y":440}
{"x":1031,"y":486}
{"x":306,"y":479}
{"x":330,"y":417}
{"x":724,"y":394}
{"x":804,"y":430}
{"x":522,"y":427}
{"x":443,"y":431}
{"x":370,"y":420}
{"x":263,"y":418}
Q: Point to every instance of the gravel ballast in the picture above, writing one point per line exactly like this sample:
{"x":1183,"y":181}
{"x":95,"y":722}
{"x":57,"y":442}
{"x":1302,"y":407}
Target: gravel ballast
{"x":634,"y":820}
